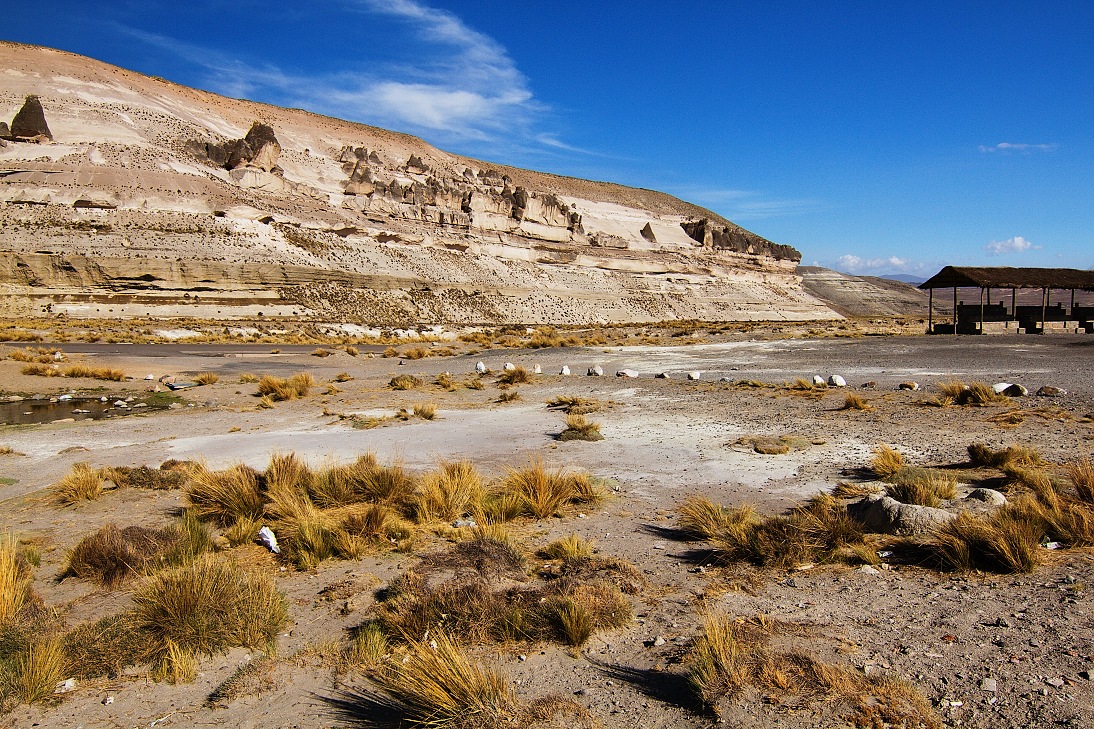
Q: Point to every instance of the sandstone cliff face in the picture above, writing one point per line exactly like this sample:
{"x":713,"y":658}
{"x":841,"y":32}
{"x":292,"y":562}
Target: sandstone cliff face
{"x":169,"y":201}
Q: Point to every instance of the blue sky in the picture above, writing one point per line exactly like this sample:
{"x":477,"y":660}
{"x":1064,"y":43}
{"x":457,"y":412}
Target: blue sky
{"x":875,"y":137}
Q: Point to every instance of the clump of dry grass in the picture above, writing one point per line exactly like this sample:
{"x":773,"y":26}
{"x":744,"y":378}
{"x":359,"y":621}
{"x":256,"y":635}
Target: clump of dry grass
{"x":206,"y":378}
{"x":82,"y":483}
{"x":225,"y":496}
{"x":404,"y":382}
{"x":320,"y":352}
{"x":425,"y":410}
{"x":516,"y":376}
{"x":1021,"y":456}
{"x":1081,"y":473}
{"x":418,"y":352}
{"x":38,"y":669}
{"x":248,"y":378}
{"x":922,"y":486}
{"x":702,"y":519}
{"x":578,"y":427}
{"x":15,"y":580}
{"x":853,"y":401}
{"x":541,"y":493}
{"x":569,"y":547}
{"x":574,"y":404}
{"x":977,"y":394}
{"x":280,"y":388}
{"x":343,"y":377}
{"x":1008,"y":540}
{"x":820,"y":530}
{"x":887,"y":462}
{"x":437,"y":685}
{"x":846,"y":490}
{"x":731,"y":655}
{"x":208,"y":606}
{"x":112,"y":555}
{"x":453,"y":490}
{"x":509,"y":396}
{"x":95,"y":373}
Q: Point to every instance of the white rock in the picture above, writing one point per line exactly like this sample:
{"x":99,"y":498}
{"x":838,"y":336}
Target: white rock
{"x":480,"y":367}
{"x":149,"y":377}
{"x":268,"y":540}
{"x":909,"y":385}
{"x":63,"y":687}
{"x":509,"y":367}
{"x":1051,"y":391}
{"x":695,"y":375}
{"x":596,"y":371}
{"x":837,"y":381}
{"x":662,"y":376}
{"x":818,"y":380}
{"x":991,"y":497}
{"x":537,"y":370}
{"x":1009,"y":389}
{"x":627,"y":373}
{"x":565,"y":370}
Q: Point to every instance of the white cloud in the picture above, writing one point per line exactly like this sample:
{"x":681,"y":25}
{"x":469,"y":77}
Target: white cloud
{"x":1017,"y":147}
{"x":461,"y":85}
{"x":851,"y":263}
{"x":1017,"y":244}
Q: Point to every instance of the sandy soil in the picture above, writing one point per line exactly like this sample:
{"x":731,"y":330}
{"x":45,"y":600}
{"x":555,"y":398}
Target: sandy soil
{"x":664,"y":439}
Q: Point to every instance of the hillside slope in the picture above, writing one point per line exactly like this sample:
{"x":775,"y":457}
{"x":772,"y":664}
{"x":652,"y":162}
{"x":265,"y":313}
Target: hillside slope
{"x":136,"y":196}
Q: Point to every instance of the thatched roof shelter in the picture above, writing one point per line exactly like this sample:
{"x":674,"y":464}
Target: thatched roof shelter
{"x":1005,"y":277}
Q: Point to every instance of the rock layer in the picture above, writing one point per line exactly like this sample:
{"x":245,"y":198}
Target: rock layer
{"x":170,"y":201}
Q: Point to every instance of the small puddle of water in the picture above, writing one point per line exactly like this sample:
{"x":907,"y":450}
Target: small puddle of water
{"x":42,"y":410}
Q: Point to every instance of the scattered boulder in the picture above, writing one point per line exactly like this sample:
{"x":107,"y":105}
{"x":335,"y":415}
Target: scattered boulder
{"x":818,"y":381}
{"x":29,"y":123}
{"x":596,"y":371}
{"x":837,"y":381}
{"x":565,"y":370}
{"x":480,"y":367}
{"x":1009,"y":389}
{"x":1050,"y":391}
{"x":991,"y":497}
{"x":509,"y":367}
{"x":537,"y":370}
{"x":910,"y":385}
{"x":662,"y":375}
{"x":885,"y":515}
{"x":627,"y":373}
{"x":695,"y":375}
{"x":259,"y":148}
{"x":869,"y":385}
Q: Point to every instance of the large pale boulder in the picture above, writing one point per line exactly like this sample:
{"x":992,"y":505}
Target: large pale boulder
{"x":885,"y":515}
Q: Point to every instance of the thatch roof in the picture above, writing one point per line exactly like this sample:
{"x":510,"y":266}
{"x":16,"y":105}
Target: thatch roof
{"x":1005,"y":277}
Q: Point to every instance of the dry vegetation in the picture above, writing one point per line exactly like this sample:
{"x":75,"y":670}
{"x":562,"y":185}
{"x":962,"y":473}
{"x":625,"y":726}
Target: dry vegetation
{"x":280,"y":388}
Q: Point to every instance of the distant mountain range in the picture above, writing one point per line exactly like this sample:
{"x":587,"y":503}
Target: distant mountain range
{"x":903,"y":278}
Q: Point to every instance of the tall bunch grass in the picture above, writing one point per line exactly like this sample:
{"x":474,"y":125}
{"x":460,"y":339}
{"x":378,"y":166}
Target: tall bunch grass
{"x":82,"y":483}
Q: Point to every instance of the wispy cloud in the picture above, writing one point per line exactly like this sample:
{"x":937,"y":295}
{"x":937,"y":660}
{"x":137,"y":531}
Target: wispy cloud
{"x":1017,"y":147}
{"x":740,"y":205}
{"x":850,"y":263}
{"x":1017,"y":244}
{"x":462,"y":85}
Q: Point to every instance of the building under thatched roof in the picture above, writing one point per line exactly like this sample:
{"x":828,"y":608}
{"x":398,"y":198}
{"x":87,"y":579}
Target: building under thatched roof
{"x":1006,"y":277}
{"x":986,"y":316}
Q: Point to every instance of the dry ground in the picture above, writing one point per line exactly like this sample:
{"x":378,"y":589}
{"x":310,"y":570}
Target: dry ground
{"x":664,"y":440}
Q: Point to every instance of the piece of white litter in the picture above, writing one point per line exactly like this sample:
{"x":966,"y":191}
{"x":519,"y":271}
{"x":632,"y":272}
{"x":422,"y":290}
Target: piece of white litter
{"x":266,"y":536}
{"x":1054,"y":545}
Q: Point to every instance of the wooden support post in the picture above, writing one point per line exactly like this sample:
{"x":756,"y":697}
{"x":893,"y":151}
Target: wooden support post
{"x":955,"y":310}
{"x":1013,"y":298}
{"x":930,"y":311}
{"x":981,"y":309}
{"x":1044,"y":307}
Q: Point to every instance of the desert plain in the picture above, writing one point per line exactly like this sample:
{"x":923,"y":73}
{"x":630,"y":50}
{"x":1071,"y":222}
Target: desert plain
{"x":981,"y":647}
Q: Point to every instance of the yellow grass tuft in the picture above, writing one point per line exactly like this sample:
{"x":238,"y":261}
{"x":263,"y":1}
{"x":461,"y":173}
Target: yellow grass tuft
{"x":225,"y":496}
{"x":578,"y":427}
{"x":856,"y":402}
{"x":569,"y":547}
{"x":404,"y":382}
{"x":15,"y":580}
{"x":886,"y":462}
{"x":82,"y":483}
{"x":1081,"y":473}
{"x":425,"y":410}
{"x":39,"y":669}
{"x":206,"y":378}
{"x":455,"y":489}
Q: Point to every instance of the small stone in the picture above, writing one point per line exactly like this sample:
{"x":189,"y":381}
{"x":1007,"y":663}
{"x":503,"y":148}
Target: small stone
{"x":659,"y":640}
{"x":910,"y":385}
{"x":694,"y":375}
{"x":627,"y":373}
{"x":537,"y":370}
{"x":990,"y":497}
{"x":990,"y":685}
{"x":522,"y":657}
{"x":1050,"y":391}
{"x":818,"y":381}
{"x":480,"y":367}
{"x":1086,"y":675}
{"x":63,"y":687}
{"x":595,"y":371}
{"x":108,"y":701}
{"x":1009,"y":389}
{"x":837,"y":381}
{"x":564,"y":371}
{"x":868,"y":570}
{"x":662,"y":376}
{"x":1055,"y":682}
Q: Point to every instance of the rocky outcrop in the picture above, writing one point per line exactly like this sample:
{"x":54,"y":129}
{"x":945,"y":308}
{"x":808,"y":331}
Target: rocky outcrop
{"x":29,"y":124}
{"x":732,"y":238}
{"x":259,"y":149}
{"x":345,"y":221}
